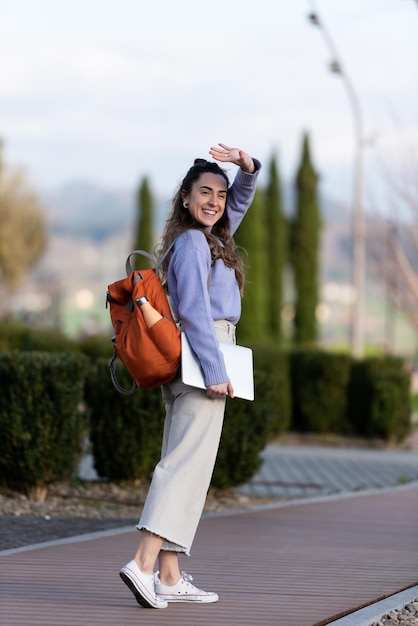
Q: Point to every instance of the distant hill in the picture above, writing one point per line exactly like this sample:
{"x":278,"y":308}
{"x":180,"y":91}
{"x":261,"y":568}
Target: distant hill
{"x":84,"y":209}
{"x":91,"y":234}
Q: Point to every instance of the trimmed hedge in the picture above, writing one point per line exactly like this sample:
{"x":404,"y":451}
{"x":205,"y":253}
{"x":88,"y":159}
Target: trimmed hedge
{"x":42,"y":424}
{"x":15,"y":335}
{"x":125,"y":431}
{"x":273,"y":388}
{"x":249,"y":426}
{"x":319,"y":391}
{"x":97,"y":346}
{"x":379,"y":398}
{"x":245,"y":432}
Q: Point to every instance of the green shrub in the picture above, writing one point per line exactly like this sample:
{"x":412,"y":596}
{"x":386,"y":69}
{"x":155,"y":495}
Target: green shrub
{"x":125,"y":431}
{"x":273,"y":398}
{"x":379,"y":398}
{"x":319,"y":391}
{"x":97,"y":346}
{"x":239,"y":451}
{"x":12,"y":335}
{"x":41,"y":422}
{"x":15,"y":335}
{"x":244,"y":435}
{"x":249,"y":426}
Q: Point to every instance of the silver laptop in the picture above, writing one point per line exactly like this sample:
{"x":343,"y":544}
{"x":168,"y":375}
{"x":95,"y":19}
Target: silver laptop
{"x":238,"y":362}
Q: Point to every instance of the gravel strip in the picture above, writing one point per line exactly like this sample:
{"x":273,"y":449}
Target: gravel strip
{"x":88,"y":507}
{"x":16,"y":532}
{"x":406,"y":616}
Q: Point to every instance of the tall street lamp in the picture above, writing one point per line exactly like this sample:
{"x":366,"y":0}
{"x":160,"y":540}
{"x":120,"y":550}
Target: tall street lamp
{"x":358,"y":226}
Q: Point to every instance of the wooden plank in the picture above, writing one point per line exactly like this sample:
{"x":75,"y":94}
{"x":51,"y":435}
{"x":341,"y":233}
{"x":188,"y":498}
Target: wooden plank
{"x":296,"y":565}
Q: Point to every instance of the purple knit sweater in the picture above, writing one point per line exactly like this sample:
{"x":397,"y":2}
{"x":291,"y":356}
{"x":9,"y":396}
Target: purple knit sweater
{"x":188,"y":272}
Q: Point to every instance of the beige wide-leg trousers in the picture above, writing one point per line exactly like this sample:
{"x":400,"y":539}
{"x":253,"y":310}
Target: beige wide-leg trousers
{"x":181,"y":480}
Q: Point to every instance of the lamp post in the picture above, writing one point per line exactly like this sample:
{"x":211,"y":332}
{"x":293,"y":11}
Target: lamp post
{"x":358,"y":227}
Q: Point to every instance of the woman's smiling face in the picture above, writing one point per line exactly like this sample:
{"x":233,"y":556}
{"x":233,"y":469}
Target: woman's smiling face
{"x":207,"y":198}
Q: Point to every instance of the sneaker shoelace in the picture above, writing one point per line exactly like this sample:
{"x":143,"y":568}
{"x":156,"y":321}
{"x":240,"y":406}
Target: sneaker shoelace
{"x":188,"y":580}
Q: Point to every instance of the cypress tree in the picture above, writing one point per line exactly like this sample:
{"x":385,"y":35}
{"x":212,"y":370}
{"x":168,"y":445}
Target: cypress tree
{"x":305,"y":249}
{"x":143,"y":238}
{"x":276,"y":252}
{"x":251,"y":236}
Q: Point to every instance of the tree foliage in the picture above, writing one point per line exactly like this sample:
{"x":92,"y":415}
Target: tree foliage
{"x":144,"y":220}
{"x":251,"y":236}
{"x":305,"y":248}
{"x":276,"y":235}
{"x":23,"y":235}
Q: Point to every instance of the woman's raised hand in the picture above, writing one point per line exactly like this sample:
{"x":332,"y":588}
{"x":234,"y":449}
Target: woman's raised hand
{"x":226,"y":154}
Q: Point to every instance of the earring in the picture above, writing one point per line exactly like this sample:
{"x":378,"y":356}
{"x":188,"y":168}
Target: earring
{"x":186,"y":206}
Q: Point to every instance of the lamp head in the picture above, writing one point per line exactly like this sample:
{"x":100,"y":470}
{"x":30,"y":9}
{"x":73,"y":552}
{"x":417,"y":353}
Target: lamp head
{"x":314,"y":19}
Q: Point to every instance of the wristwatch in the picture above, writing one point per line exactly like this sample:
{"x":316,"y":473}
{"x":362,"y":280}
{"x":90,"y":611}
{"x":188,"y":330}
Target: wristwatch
{"x":142,"y":300}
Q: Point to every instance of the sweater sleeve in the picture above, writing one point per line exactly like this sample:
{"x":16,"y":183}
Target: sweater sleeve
{"x":190,"y":267}
{"x":241,"y":195}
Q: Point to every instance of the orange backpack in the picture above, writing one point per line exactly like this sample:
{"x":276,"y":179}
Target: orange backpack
{"x":151,"y":355}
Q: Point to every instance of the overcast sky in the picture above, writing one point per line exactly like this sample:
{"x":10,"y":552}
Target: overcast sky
{"x":112,"y":90}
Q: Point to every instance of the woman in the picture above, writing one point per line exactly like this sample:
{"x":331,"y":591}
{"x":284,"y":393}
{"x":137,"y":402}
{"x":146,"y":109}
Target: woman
{"x":205,"y":277}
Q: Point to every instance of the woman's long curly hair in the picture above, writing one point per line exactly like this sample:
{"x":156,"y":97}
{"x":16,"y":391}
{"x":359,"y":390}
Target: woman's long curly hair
{"x":221,"y":243}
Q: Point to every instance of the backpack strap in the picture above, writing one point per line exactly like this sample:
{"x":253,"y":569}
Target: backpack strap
{"x":122,"y":390}
{"x":161,"y":261}
{"x":149,"y":256}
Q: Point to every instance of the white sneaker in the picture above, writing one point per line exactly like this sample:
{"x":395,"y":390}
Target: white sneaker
{"x":142,"y":586}
{"x":183,"y":591}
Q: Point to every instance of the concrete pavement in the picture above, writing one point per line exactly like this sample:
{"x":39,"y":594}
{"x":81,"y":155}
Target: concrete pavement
{"x":306,"y":471}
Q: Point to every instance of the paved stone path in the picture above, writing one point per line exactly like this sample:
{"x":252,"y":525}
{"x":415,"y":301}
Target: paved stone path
{"x":304,"y":471}
{"x":299,"y":471}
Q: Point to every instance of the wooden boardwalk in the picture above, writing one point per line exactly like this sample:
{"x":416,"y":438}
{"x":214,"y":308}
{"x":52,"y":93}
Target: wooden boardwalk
{"x":299,"y":565}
